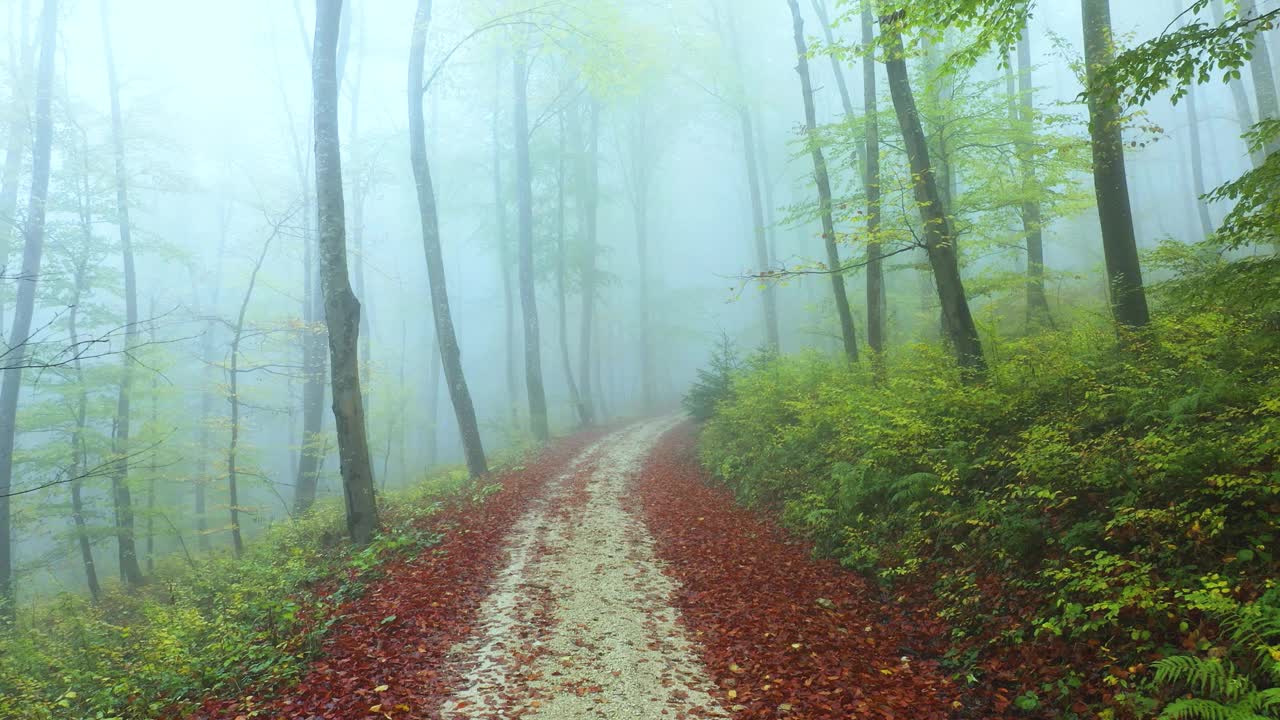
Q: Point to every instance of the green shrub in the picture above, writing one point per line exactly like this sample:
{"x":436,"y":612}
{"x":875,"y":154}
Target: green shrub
{"x":1108,"y":477}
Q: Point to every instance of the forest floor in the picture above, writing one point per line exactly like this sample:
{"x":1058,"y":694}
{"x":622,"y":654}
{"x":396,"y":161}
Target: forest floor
{"x":608,"y":579}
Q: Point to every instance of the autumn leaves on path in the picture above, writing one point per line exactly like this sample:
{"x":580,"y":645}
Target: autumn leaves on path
{"x":608,"y":579}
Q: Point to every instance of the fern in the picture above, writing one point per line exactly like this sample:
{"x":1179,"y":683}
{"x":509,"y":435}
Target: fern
{"x":1198,"y":709}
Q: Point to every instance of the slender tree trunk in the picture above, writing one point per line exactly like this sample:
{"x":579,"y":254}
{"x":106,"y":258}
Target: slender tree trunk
{"x":590,"y":200}
{"x":129,"y":568}
{"x":79,"y":450}
{"x":528,"y":289}
{"x":875,"y":264}
{"x":206,"y":418}
{"x":1032,"y":223}
{"x":341,"y":307}
{"x":450,"y":355}
{"x":824,"y":189}
{"x":561,"y":279}
{"x":504,"y":253}
{"x":359,"y":194}
{"x":764,"y":259}
{"x":1199,"y":185}
{"x":939,"y":237}
{"x":640,"y":172}
{"x":152,"y":468}
{"x":233,"y":397}
{"x":24,"y":307}
{"x":1119,"y":243}
{"x":19,"y":126}
{"x":79,"y":447}
{"x":1239,"y":96}
{"x":314,"y":333}
{"x":1264,"y":81}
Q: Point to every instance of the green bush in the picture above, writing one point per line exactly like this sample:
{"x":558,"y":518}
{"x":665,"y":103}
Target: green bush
{"x":213,"y":626}
{"x":1106,"y":476}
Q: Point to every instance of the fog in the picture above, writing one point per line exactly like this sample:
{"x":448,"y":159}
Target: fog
{"x":216,"y":114}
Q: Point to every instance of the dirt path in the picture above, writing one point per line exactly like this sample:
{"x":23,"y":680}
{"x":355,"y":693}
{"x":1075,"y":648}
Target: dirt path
{"x":580,"y":622}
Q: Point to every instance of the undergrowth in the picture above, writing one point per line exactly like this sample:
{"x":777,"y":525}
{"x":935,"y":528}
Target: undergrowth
{"x":213,"y":626}
{"x":1103,"y":497}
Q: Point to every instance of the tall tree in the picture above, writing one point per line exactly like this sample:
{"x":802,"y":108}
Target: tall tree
{"x":1198,"y":184}
{"x":313,"y":332}
{"x":503,"y":243}
{"x":638,"y":170}
{"x":1264,"y":81}
{"x":18,"y":130}
{"x":1239,"y":96}
{"x":875,"y":264}
{"x":1032,"y":223}
{"x":446,"y":339}
{"x":341,"y":307}
{"x":129,"y":567}
{"x":24,"y":306}
{"x":528,"y":289}
{"x":562,"y":272}
{"x":939,"y":234}
{"x":79,"y":443}
{"x":757,"y":181}
{"x":823,"y":179}
{"x":1111,"y":185}
{"x":589,"y":202}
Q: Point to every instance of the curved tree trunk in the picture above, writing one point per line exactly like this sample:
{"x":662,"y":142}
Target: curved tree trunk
{"x":447,"y":340}
{"x":130,"y":571}
{"x":823,"y":179}
{"x":1111,"y":184}
{"x":528,"y":290}
{"x":341,"y":307}
{"x":939,"y":237}
{"x":24,"y":307}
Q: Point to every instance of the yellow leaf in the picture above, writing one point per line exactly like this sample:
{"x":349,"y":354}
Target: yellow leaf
{"x":886,"y":671}
{"x":733,"y":694}
{"x":376,"y":708}
{"x":381,"y":688}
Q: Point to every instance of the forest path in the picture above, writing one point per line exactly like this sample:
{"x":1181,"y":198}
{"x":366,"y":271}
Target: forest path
{"x":580,"y":623}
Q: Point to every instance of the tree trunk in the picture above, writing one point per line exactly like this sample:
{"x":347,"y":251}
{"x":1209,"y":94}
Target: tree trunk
{"x":834,"y":266}
{"x":1264,"y":81}
{"x":1239,"y":96}
{"x":24,"y":307}
{"x":1199,"y":186}
{"x":19,"y":125}
{"x":313,"y":335}
{"x":641,"y":172}
{"x":341,"y":307}
{"x":764,"y":259}
{"x":875,"y":264}
{"x":939,"y":238}
{"x":359,"y":194}
{"x":79,"y":450}
{"x":1119,"y":243}
{"x":450,"y":355}
{"x":528,"y":289}
{"x":561,"y":272}
{"x":1032,"y":223}
{"x":504,"y":257}
{"x":152,"y":469}
{"x":130,"y":571}
{"x":590,"y":201}
{"x":79,"y":447}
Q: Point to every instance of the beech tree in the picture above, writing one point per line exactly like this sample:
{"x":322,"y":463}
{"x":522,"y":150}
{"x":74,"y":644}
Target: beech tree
{"x":450,"y":355}
{"x":1111,"y":183}
{"x":341,"y":307}
{"x":938,"y":231}
{"x":823,"y":179}
{"x":24,"y":307}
